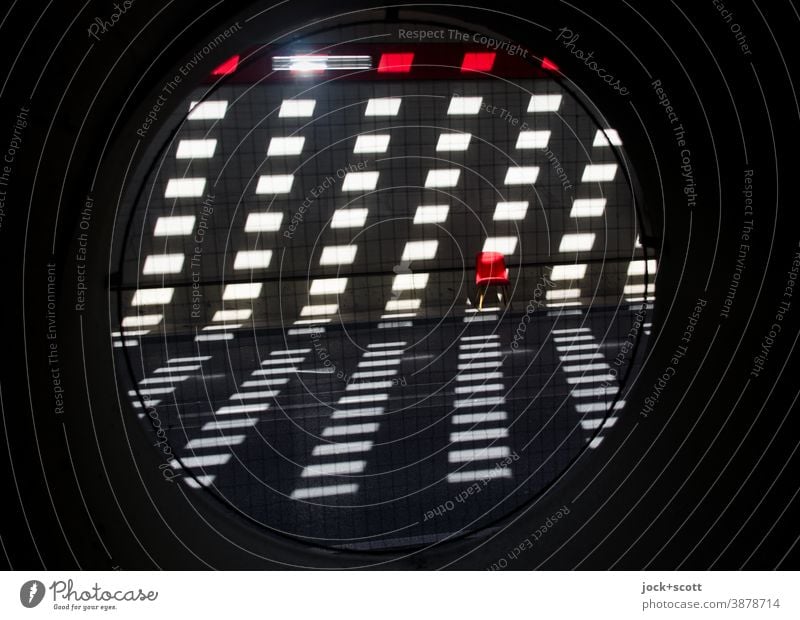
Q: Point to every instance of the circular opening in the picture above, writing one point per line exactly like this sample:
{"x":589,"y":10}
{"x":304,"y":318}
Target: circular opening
{"x":379,"y":295}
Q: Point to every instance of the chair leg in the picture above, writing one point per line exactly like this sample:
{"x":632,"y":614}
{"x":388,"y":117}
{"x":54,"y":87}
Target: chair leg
{"x":506,"y":298}
{"x":481,"y":295}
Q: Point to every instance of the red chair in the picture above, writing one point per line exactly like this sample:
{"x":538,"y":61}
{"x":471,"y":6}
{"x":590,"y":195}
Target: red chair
{"x":490,"y":270}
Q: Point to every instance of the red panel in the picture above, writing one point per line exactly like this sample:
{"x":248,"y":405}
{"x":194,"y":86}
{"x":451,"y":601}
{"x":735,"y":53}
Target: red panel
{"x":227,"y":67}
{"x":478,"y":61}
{"x":549,"y":65}
{"x":395,"y":63}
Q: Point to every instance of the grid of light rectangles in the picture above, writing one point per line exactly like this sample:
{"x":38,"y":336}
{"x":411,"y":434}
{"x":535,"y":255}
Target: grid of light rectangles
{"x":299,"y":300}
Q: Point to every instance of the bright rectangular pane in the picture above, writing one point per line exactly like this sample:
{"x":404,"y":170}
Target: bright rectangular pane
{"x":533,"y":139}
{"x":275,"y":184}
{"x":431,"y":214}
{"x":232,"y":315}
{"x":207,"y":110}
{"x":349,"y":218}
{"x":252,"y":259}
{"x":178,"y":225}
{"x":419,"y":250}
{"x":338,"y":255}
{"x":360,"y":181}
{"x":328,"y":286}
{"x":196,"y":149}
{"x":185,"y":188}
{"x":453,"y":142}
{"x":566,"y":293}
{"x":504,"y":245}
{"x":387,"y":106}
{"x":577,"y":242}
{"x":609,"y":138}
{"x":268,"y":221}
{"x":297,"y":108}
{"x":403,"y":304}
{"x":142,"y":320}
{"x":639,"y":289}
{"x":245,"y":290}
{"x":521,"y":175}
{"x":511,"y":210}
{"x":285,"y":146}
{"x":568,"y":272}
{"x":599,"y":172}
{"x":409,"y":281}
{"x":464,"y":105}
{"x":319,"y":310}
{"x":588,"y":207}
{"x":637,"y":267}
{"x":152,"y":296}
{"x":442,"y":178}
{"x":163,"y":263}
{"x":544,"y":103}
